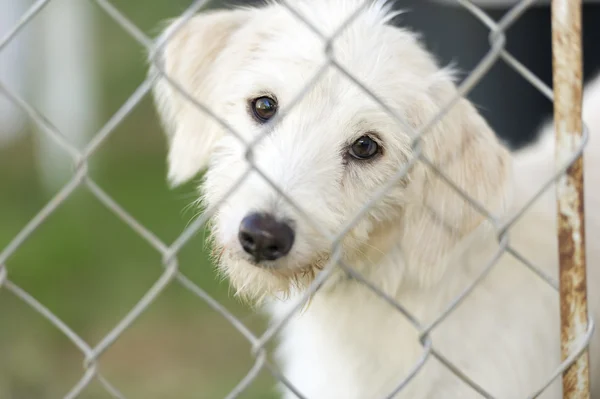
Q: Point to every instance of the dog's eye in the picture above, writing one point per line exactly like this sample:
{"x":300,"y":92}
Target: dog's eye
{"x":364,"y":148}
{"x":264,"y":108}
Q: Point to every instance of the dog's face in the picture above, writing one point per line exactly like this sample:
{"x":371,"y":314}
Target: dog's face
{"x":328,"y":148}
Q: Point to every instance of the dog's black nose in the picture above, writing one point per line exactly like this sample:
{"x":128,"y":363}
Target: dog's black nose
{"x":265,"y":238}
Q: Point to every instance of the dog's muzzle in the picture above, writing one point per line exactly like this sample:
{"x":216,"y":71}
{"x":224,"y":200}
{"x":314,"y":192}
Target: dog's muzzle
{"x":264,"y":237}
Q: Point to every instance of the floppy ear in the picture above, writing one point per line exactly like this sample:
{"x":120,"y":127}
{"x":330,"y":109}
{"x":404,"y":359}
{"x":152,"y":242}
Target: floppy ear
{"x":465,"y":149}
{"x":190,"y":58}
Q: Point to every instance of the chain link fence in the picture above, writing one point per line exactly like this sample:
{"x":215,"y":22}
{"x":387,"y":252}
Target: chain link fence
{"x":169,"y":251}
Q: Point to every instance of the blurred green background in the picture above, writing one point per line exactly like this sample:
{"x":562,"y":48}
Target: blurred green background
{"x":89,"y":268}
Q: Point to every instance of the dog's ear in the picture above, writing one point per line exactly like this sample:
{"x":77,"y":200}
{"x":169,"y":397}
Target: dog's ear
{"x":466,"y":150}
{"x":190,"y":58}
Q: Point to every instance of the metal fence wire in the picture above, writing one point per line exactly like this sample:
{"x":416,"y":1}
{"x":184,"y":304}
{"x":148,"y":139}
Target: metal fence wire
{"x":567,"y":85}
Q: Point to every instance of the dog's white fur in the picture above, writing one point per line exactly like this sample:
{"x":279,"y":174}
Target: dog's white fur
{"x":422,"y":244}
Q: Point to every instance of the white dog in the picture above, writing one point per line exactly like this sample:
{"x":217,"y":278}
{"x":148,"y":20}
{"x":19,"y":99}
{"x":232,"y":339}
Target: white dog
{"x":330,"y":151}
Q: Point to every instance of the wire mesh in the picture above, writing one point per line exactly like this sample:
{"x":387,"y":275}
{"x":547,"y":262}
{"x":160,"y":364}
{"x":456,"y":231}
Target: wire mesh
{"x":169,"y":252}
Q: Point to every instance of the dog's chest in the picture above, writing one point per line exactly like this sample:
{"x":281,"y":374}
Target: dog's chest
{"x":355,"y":346}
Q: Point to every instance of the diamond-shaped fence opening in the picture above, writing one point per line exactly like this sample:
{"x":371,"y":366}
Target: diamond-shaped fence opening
{"x":565,"y":21}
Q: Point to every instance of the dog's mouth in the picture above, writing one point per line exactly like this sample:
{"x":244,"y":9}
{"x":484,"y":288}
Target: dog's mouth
{"x":285,"y":266}
{"x":265,"y":264}
{"x":256,"y":280}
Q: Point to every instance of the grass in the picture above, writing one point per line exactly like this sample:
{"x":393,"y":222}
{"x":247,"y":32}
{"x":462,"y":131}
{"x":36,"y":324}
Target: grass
{"x":89,"y":268}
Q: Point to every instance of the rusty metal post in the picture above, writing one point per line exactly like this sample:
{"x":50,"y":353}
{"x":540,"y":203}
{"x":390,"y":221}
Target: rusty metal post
{"x":567,"y":78}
